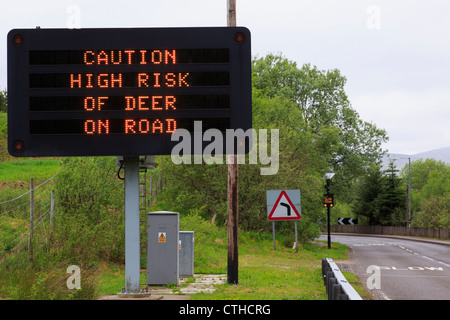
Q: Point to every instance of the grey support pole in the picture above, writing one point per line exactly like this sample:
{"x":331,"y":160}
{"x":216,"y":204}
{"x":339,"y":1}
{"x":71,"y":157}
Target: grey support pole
{"x":132,"y":245}
{"x":273,"y":235}
{"x":409,"y":195}
{"x":296,"y":237}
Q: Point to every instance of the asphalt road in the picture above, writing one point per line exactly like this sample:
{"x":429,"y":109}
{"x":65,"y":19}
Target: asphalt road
{"x":405,"y":269}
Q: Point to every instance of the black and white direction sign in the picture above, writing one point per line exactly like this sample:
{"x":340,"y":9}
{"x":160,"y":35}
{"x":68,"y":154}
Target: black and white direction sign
{"x":283,"y":205}
{"x":347,"y":221}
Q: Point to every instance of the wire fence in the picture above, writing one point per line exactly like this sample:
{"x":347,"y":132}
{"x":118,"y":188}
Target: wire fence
{"x":26,"y":219}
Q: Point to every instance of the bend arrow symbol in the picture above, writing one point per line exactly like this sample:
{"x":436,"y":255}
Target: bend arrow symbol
{"x":347,"y":221}
{"x":288,"y":208}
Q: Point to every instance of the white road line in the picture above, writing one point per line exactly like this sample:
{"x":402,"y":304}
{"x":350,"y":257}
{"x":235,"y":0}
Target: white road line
{"x":416,"y":253}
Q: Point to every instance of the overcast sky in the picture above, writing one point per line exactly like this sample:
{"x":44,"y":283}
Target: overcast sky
{"x":395,"y":54}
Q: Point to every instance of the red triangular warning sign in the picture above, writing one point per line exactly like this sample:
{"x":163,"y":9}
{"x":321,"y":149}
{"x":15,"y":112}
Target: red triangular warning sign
{"x":284,"y":209}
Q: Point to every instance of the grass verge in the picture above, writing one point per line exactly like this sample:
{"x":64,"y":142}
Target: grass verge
{"x":281,"y":274}
{"x":24,"y":170}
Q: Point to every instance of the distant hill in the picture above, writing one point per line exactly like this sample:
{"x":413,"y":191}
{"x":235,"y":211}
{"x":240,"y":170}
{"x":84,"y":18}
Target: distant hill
{"x":442,"y":154}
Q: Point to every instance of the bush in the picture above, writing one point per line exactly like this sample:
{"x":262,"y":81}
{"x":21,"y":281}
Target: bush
{"x":21,"y":280}
{"x":3,"y":101}
{"x":210,"y":251}
{"x":89,"y":223}
{"x":88,"y":228}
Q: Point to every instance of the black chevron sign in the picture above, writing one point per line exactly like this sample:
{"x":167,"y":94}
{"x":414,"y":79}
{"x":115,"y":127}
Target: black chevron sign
{"x":347,"y":221}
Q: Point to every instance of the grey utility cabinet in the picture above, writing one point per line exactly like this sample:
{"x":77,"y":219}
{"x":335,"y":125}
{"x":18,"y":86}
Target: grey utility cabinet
{"x":186,"y":253}
{"x":162,"y":248}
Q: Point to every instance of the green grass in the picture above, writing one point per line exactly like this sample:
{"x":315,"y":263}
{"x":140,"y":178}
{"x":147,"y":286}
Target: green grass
{"x":15,"y":179}
{"x":24,"y":170}
{"x":357,"y":285}
{"x":281,"y":274}
{"x":112,"y":280}
{"x":3,"y":137}
{"x":3,"y":123}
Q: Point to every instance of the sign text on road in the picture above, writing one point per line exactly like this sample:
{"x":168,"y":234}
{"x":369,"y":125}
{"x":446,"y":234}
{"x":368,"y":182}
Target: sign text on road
{"x":123,"y":91}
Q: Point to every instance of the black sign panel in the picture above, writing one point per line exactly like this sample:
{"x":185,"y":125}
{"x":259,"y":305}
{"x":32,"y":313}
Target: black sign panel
{"x":329,"y":200}
{"x":87,"y":92}
{"x":347,"y":221}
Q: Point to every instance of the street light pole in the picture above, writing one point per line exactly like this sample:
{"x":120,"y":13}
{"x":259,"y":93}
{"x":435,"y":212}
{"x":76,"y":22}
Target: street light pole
{"x":328,"y":215}
{"x":409,"y":195}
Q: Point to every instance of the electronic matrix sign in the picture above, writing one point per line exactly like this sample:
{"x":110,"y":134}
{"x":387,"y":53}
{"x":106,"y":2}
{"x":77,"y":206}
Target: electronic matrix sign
{"x":329,"y":200}
{"x":82,"y":92}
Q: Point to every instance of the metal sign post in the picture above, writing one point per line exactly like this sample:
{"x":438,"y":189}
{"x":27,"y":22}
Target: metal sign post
{"x":132,"y":245}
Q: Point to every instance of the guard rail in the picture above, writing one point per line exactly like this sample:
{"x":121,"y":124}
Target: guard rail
{"x":337,"y":287}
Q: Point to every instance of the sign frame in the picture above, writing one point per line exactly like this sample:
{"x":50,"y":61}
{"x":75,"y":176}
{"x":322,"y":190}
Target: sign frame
{"x":293,"y":201}
{"x":22,"y":143}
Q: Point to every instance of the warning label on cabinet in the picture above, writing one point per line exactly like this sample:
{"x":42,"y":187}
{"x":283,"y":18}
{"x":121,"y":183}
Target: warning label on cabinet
{"x":161,"y":237}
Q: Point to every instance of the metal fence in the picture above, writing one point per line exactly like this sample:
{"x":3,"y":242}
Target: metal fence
{"x":27,"y":219}
{"x":443,"y":234}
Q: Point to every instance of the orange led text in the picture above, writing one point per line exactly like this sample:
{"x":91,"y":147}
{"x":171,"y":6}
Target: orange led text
{"x":116,"y":57}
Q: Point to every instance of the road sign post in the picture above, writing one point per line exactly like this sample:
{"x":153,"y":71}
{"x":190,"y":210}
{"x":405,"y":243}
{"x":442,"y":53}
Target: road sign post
{"x":283,"y":205}
{"x":132,"y":244}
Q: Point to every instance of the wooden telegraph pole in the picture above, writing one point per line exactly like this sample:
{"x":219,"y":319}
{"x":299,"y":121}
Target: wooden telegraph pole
{"x":231,"y":14}
{"x":232,"y":225}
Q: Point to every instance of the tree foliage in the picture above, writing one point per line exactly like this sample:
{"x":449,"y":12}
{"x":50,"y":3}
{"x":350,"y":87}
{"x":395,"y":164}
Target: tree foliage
{"x":3,"y":101}
{"x":430,"y":194}
{"x":369,"y":187}
{"x":391,"y":199}
{"x":347,"y":143}
{"x":382,"y":197}
{"x":89,"y":223}
{"x":379,"y":197}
